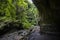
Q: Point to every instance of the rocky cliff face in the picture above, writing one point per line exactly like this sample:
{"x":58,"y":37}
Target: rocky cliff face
{"x":50,"y":15}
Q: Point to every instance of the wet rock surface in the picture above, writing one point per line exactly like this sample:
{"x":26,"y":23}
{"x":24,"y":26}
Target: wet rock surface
{"x":36,"y":35}
{"x":18,"y":35}
{"x":29,"y":35}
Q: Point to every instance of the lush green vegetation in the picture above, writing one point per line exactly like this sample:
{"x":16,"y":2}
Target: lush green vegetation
{"x":19,"y":13}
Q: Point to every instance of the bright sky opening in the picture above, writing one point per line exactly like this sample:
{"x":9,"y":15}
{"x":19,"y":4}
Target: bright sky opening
{"x":30,"y":1}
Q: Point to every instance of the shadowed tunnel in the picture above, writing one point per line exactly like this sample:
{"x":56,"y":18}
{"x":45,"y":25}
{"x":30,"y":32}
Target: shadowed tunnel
{"x":49,"y":12}
{"x":50,"y":15}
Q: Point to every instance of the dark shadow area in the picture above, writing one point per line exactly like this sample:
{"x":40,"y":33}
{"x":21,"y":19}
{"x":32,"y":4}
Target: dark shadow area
{"x":49,"y":12}
{"x":10,"y":28}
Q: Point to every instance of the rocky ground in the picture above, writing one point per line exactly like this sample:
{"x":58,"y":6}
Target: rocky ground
{"x":36,"y":35}
{"x":31,"y":34}
{"x":17,"y":35}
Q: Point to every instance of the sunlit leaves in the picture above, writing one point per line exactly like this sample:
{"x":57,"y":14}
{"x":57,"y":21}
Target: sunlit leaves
{"x":18,"y":10}
{"x":21,"y":3}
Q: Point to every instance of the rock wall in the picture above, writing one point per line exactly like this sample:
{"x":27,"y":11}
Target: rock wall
{"x":49,"y":15}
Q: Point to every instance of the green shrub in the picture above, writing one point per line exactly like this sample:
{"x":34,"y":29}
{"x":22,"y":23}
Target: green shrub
{"x":19,"y":11}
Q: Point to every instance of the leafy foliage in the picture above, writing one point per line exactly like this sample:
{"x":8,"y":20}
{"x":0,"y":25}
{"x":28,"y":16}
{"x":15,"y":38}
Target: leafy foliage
{"x":17,"y":12}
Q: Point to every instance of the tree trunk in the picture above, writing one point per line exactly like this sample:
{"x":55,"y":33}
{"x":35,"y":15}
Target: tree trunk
{"x":49,"y":15}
